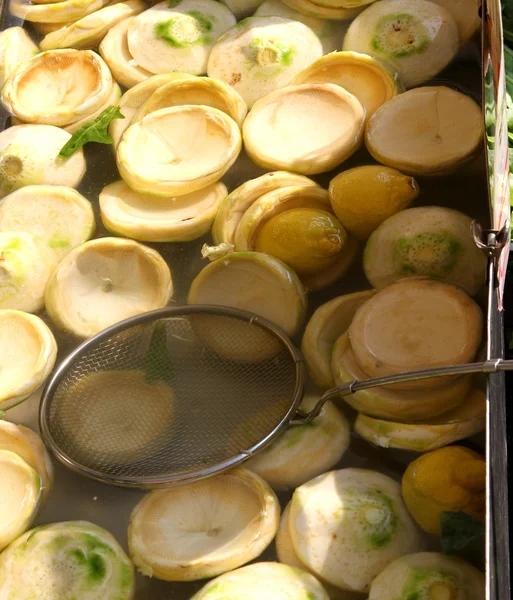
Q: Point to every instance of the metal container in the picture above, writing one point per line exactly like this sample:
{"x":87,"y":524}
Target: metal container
{"x":75,"y":497}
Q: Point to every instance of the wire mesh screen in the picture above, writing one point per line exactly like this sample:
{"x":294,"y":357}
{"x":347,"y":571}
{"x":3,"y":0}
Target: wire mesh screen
{"x":171,"y":398}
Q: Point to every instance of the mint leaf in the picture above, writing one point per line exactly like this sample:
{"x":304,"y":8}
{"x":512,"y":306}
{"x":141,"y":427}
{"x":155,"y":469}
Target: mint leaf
{"x":458,"y":530}
{"x":157,"y":363}
{"x":94,"y":131}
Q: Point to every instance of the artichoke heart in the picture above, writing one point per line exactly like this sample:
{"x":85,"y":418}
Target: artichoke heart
{"x":151,"y":219}
{"x":417,"y":38}
{"x":20,"y":496}
{"x":330,"y":34}
{"x":292,"y":128}
{"x":199,"y":91}
{"x":361,"y":75}
{"x":27,"y":444}
{"x":326,"y":325}
{"x":254,"y":282}
{"x":89,"y":31}
{"x":240,"y":200}
{"x":15,"y":48}
{"x":262,"y":54}
{"x":389,"y":402}
{"x":66,"y":560}
{"x":428,"y":575}
{"x":178,"y":36}
{"x":347,"y":525}
{"x":104,"y":281}
{"x":296,"y":225}
{"x":59,"y":215}
{"x":114,"y":51}
{"x":313,"y":8}
{"x":29,"y":154}
{"x":64,"y":11}
{"x":132,"y":100}
{"x":58,"y":87}
{"x":27,"y":363}
{"x":178,"y":150}
{"x":428,"y":131}
{"x":231,"y":519}
{"x":263,"y":580}
{"x":466,"y":420}
{"x":26,"y":264}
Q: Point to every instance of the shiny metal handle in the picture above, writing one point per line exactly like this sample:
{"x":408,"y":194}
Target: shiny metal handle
{"x":488,"y":366}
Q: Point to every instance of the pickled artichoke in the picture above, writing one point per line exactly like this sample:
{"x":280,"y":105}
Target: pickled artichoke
{"x":15,"y":48}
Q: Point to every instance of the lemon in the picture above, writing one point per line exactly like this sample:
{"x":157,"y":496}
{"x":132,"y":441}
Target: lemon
{"x":363,"y":197}
{"x":308,"y":240}
{"x":452,"y":479}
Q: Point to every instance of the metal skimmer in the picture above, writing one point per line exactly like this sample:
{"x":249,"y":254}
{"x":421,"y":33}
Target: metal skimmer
{"x":182,"y":393}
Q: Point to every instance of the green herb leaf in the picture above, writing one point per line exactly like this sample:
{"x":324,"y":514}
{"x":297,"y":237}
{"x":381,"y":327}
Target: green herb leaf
{"x":94,"y":131}
{"x":458,"y":531}
{"x":157,"y":363}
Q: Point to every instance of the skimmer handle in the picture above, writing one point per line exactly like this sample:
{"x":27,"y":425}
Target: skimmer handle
{"x":488,"y":366}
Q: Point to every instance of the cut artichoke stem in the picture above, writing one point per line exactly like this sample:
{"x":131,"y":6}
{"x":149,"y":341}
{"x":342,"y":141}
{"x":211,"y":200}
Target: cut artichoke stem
{"x":58,"y":87}
{"x":429,"y":241}
{"x":89,"y":31}
{"x":20,"y":497}
{"x":390,"y":403}
{"x":442,"y":577}
{"x":66,"y":560}
{"x":78,"y":300}
{"x":28,"y":446}
{"x":132,"y":100}
{"x":416,"y":38}
{"x":292,"y":128}
{"x":178,"y":150}
{"x":315,"y":9}
{"x":347,"y":525}
{"x":262,"y":54}
{"x":29,"y":155}
{"x":114,"y":50}
{"x":146,"y":218}
{"x":15,"y":48}
{"x":198,"y":91}
{"x":326,"y":325}
{"x":329,"y":33}
{"x":304,"y":451}
{"x":264,"y":580}
{"x":59,"y":215}
{"x":56,"y":12}
{"x":178,"y":37}
{"x":361,"y":75}
{"x":26,"y":264}
{"x":444,"y":130}
{"x":231,"y":518}
{"x":466,"y":420}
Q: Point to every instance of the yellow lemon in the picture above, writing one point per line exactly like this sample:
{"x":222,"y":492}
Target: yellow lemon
{"x":363,"y":197}
{"x":452,"y":479}
{"x":307,"y":239}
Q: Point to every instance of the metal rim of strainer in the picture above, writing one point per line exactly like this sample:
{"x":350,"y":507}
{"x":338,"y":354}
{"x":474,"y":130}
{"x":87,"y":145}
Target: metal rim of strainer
{"x":153,"y":482}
